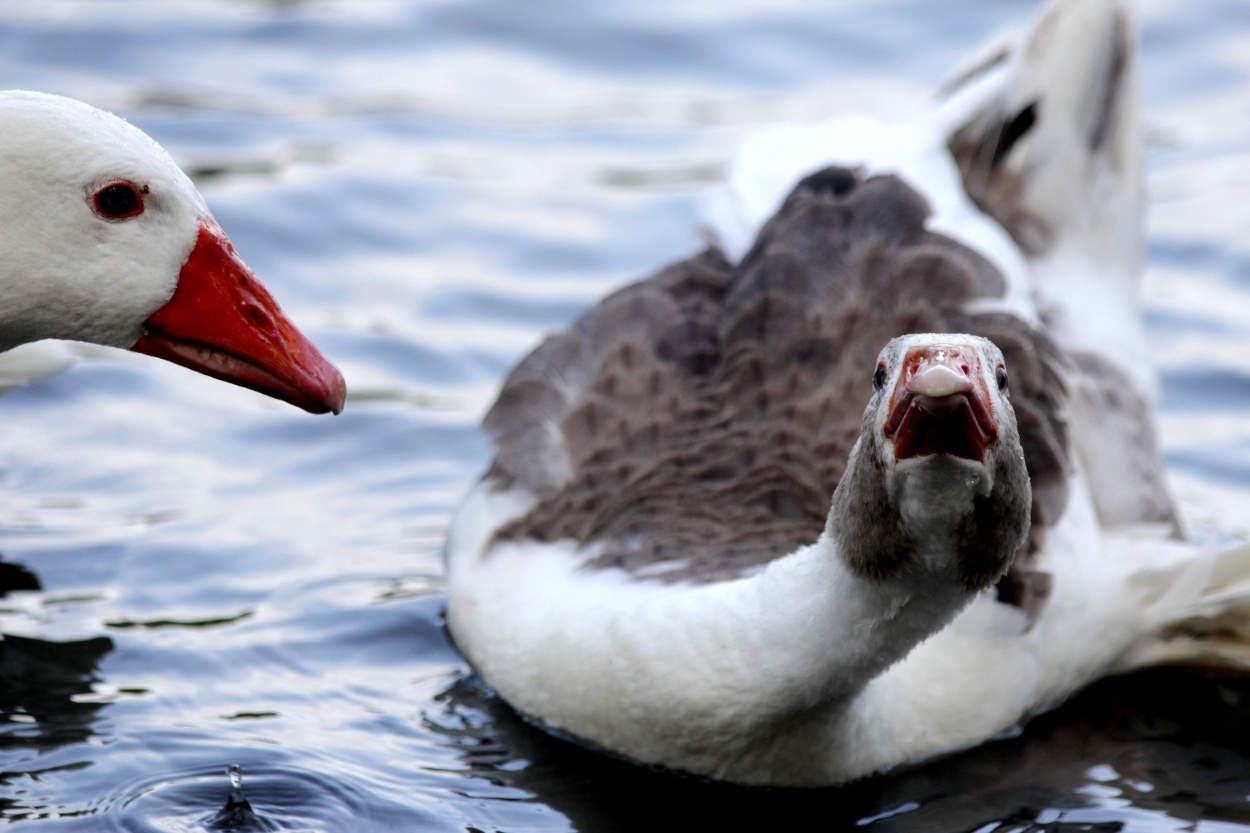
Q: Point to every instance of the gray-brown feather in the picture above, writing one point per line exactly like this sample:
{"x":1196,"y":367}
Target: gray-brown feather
{"x":981,"y":147}
{"x":695,"y":425}
{"x":1116,"y":440}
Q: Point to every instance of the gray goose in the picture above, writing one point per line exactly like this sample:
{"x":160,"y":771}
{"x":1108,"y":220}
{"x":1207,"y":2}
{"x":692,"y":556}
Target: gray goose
{"x":873,"y":479}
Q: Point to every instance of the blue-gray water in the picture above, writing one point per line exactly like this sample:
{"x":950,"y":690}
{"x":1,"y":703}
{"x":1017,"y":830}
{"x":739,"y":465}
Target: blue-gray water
{"x":202,"y":578}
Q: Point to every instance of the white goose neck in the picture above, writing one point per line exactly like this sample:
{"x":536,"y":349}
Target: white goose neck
{"x":708,"y":678}
{"x":841,"y":628}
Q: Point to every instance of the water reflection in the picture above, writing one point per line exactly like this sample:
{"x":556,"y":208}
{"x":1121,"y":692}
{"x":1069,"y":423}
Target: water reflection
{"x":43,"y":684}
{"x":1158,"y":750}
{"x":43,"y":691}
{"x":46,"y":702}
{"x":15,"y":577}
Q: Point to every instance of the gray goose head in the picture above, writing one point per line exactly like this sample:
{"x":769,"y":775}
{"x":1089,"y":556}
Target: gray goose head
{"x":937,"y":482}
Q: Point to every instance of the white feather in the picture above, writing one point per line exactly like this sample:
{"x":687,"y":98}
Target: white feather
{"x":68,"y":273}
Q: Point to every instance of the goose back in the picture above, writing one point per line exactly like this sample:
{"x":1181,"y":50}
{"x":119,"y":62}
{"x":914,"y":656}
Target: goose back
{"x":693,"y":426}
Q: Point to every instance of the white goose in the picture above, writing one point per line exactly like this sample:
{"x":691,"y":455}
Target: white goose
{"x":653,"y":565}
{"x":104,"y":240}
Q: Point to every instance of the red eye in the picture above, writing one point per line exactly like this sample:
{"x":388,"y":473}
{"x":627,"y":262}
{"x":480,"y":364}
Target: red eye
{"x":118,"y":201}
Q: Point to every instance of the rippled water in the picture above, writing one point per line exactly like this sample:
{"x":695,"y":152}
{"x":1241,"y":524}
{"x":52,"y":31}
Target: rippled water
{"x":199,"y":578}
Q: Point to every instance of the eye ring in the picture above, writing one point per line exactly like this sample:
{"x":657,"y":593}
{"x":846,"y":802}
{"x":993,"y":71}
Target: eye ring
{"x":119,"y":200}
{"x":1000,"y":375}
{"x":878,"y":377}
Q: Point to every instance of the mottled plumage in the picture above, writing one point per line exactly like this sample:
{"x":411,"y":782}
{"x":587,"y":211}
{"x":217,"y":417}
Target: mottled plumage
{"x":714,"y":539}
{"x":694,"y":426}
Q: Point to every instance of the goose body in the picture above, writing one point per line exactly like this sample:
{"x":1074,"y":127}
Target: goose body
{"x":106,"y":241}
{"x":738,"y":525}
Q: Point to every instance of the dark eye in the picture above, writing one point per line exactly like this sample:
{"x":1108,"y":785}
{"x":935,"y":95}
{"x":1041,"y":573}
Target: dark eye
{"x":1001,"y":375}
{"x":118,"y":201}
{"x":878,"y":378}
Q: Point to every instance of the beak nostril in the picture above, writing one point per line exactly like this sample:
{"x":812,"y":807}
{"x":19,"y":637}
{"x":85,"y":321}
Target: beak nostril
{"x":260,"y":318}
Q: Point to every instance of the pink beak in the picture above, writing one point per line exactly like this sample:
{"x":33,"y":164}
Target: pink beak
{"x":223,"y":323}
{"x":940,"y":405}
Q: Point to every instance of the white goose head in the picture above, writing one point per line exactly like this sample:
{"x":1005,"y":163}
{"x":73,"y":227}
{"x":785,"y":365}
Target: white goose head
{"x":104,"y":239}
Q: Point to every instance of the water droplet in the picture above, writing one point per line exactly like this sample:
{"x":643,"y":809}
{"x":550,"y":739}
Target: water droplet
{"x":237,"y":812}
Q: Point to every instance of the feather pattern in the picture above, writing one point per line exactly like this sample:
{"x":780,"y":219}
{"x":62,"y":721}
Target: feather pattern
{"x":654,"y":565}
{"x":693,"y":426}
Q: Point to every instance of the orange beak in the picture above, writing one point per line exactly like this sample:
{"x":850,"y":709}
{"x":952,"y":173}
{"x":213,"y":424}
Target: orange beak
{"x":223,"y":323}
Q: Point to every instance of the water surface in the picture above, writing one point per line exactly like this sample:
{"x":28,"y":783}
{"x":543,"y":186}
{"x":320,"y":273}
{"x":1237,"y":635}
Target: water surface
{"x":200,"y":578}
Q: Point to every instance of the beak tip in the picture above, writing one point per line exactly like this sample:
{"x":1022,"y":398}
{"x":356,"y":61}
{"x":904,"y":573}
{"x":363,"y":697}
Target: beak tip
{"x":336,"y":392}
